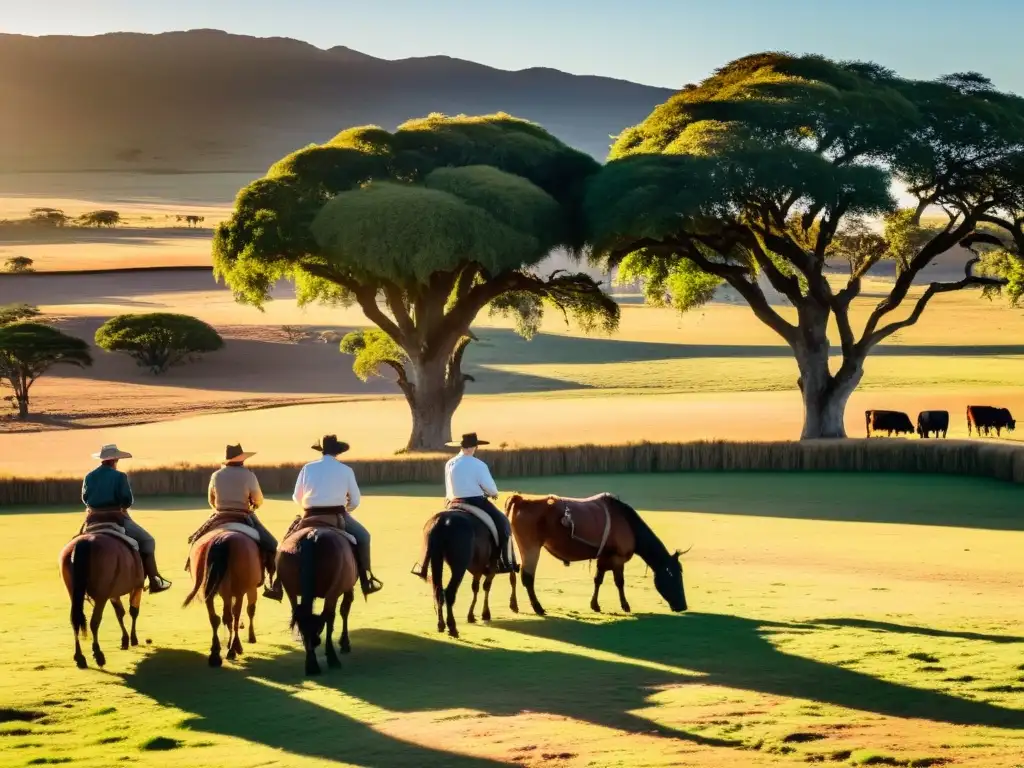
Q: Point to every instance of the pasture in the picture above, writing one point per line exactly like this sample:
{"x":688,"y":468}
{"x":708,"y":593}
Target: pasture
{"x":837,"y":619}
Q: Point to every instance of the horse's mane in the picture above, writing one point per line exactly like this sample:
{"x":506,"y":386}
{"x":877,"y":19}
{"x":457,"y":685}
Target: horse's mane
{"x":648,"y":545}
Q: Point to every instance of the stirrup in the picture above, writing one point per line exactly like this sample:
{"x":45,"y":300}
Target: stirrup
{"x":419,"y":570}
{"x":160,"y":584}
{"x":272,"y":593}
{"x":371,"y":584}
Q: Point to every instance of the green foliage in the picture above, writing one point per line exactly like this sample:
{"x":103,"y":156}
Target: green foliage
{"x":158,"y":340}
{"x":19,"y":265}
{"x":28,"y":350}
{"x":371,"y":348}
{"x":678,"y":284}
{"x":13,"y":313}
{"x":103,"y":218}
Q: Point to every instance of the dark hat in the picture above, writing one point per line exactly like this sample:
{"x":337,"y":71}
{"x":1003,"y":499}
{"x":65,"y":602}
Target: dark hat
{"x":330,"y":445}
{"x":469,"y":440}
{"x":235,"y":453}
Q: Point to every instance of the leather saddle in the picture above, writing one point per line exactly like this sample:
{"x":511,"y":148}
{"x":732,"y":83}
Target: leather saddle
{"x":481,"y":515}
{"x":589,"y":520}
{"x":333,"y":523}
{"x":110,"y":523}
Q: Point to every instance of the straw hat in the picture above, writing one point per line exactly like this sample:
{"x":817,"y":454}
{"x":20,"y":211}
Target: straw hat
{"x":110,"y":452}
{"x":234,"y":453}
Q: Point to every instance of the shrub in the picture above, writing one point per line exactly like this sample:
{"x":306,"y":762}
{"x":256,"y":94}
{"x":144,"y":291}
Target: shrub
{"x":158,"y":340}
{"x":19,"y":265}
{"x":13,"y":313}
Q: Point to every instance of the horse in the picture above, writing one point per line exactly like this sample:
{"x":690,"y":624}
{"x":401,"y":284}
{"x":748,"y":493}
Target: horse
{"x":227,"y":563}
{"x":602,"y":528}
{"x":460,"y":539}
{"x":96,"y":564}
{"x":316,"y":560}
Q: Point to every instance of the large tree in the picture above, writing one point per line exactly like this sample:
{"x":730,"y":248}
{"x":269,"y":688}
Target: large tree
{"x":776,"y":168}
{"x":28,"y":350}
{"x":422,"y":228}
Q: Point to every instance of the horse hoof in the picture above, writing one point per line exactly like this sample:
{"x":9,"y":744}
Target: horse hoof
{"x":312,"y":670}
{"x":539,"y":611}
{"x":625,"y":608}
{"x":486,"y":616}
{"x":471,"y":619}
{"x":252,"y":639}
{"x":101,"y":660}
{"x":124,"y":644}
{"x":595,"y":607}
{"x":135,"y":640}
{"x":346,"y":648}
{"x":453,"y":633}
{"x":231,"y":654}
{"x":440,"y":626}
{"x":215,"y":662}
{"x":514,"y":607}
{"x":81,"y":663}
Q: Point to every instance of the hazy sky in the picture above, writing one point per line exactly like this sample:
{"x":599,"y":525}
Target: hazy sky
{"x":662,"y":42}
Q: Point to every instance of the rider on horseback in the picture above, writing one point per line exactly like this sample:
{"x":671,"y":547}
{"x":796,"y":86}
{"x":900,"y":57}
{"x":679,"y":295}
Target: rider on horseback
{"x":327,"y":487}
{"x":468,"y":480}
{"x":106,"y":489}
{"x":234,"y":488}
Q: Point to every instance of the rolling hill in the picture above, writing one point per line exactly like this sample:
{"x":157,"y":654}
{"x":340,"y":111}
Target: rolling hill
{"x":205,"y":100}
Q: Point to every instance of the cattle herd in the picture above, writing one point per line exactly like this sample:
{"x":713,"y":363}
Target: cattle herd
{"x":982,"y":419}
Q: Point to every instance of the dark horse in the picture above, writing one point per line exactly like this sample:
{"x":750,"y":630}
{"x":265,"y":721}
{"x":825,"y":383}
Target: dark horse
{"x":601,"y":527}
{"x":316,"y":560}
{"x":99,"y":566}
{"x":460,"y":539}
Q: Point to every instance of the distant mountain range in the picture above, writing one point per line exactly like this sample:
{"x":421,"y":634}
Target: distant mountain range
{"x":206,"y":100}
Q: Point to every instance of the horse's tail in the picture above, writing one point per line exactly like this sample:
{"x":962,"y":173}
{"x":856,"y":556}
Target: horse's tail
{"x":302,"y":615}
{"x":80,"y":556}
{"x":213,"y":565}
{"x":435,"y":553}
{"x":510,"y":504}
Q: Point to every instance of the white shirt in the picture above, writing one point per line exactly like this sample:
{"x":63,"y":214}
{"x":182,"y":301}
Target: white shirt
{"x":326,"y":482}
{"x":466,"y":477}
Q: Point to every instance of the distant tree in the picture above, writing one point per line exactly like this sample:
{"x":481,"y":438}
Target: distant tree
{"x":103,"y":218}
{"x":422,"y":228}
{"x":28,"y":350}
{"x":769,"y":169}
{"x":48,"y":217}
{"x":19,"y":265}
{"x":14,"y":313}
{"x":158,"y":340}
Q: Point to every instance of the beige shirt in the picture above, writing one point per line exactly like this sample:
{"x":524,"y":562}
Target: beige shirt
{"x":234,"y":487}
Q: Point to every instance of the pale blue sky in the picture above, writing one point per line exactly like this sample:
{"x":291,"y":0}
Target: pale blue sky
{"x":662,"y":42}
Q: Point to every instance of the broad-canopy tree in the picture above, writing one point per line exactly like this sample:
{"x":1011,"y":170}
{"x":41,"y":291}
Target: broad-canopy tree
{"x":422,"y":228}
{"x":102,"y":218}
{"x":158,"y":340}
{"x":777,"y":168}
{"x":28,"y":350}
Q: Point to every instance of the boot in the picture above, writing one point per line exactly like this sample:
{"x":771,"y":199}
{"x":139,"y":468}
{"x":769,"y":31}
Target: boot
{"x":369,"y":583}
{"x":272,"y":590}
{"x":157,"y":583}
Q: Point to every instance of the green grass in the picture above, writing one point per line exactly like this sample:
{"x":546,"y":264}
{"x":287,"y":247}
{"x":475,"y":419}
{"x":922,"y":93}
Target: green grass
{"x":816,"y":604}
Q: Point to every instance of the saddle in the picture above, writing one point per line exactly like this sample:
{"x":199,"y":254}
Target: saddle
{"x":222,"y":520}
{"x":479,"y":514}
{"x":586,"y":514}
{"x":108,"y":522}
{"x":329,"y":521}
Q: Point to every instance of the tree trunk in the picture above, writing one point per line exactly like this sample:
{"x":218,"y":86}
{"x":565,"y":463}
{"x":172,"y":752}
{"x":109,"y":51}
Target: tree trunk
{"x":432,"y":398}
{"x":825,"y":396}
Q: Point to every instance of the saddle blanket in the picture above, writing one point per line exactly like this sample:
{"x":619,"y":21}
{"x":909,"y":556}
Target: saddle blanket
{"x":248,"y":530}
{"x":112,"y":529}
{"x":482,"y":516}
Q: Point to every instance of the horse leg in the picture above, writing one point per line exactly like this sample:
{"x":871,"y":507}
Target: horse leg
{"x":472,"y":606}
{"x":620,"y":583}
{"x":134,"y":601}
{"x":235,"y":649}
{"x":118,"y":607}
{"x":330,"y":606}
{"x":531,"y":556}
{"x":80,"y":661}
{"x":346,"y":606}
{"x":488,"y":580}
{"x":598,"y":578}
{"x":449,"y":598}
{"x":513,"y":604}
{"x":214,"y":660}
{"x":94,"y":625}
{"x":250,"y":611}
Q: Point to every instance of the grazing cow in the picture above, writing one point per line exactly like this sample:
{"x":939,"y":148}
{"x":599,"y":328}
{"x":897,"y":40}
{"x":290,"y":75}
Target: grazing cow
{"x":888,"y":422}
{"x":932,"y":421}
{"x":985,"y":418}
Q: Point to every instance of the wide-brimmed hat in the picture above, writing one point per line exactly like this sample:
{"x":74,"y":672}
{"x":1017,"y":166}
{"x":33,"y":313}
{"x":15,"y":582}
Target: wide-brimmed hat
{"x":236,"y":454}
{"x":330,"y":445}
{"x":111,"y":452}
{"x":469,"y":440}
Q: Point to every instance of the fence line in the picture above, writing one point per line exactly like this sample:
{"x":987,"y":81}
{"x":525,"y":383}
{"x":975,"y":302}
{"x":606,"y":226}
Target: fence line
{"x":1000,"y":461}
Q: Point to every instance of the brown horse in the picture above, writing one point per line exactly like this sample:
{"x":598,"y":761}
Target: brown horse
{"x":226,"y":563}
{"x":316,"y":560}
{"x":464,"y":542}
{"x":104,"y":568}
{"x":602,"y":528}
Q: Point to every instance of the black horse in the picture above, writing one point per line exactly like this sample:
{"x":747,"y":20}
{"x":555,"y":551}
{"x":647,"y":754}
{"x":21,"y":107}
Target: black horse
{"x":465,"y":543}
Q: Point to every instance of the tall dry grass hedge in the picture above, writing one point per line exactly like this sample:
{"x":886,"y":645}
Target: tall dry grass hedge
{"x":1000,"y":461}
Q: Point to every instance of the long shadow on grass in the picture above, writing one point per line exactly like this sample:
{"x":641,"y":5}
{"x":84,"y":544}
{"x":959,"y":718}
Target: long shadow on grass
{"x":735,"y":652}
{"x":228,"y":702}
{"x":441,"y":675}
{"x":905,"y":629}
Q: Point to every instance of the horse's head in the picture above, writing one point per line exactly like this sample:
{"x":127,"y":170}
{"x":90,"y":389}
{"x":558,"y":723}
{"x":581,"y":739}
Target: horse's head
{"x":668,"y":580}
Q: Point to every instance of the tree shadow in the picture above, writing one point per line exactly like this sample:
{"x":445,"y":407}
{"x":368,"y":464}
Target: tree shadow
{"x":905,"y":629}
{"x":443,"y":675}
{"x":229,"y":702}
{"x":734,"y":652}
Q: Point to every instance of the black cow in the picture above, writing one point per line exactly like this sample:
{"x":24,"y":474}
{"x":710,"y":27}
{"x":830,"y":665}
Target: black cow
{"x":888,"y":422}
{"x":932,"y":421}
{"x":985,"y":418}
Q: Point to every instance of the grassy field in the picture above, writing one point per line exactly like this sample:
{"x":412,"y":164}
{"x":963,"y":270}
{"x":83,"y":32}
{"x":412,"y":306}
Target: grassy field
{"x":864,"y":619}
